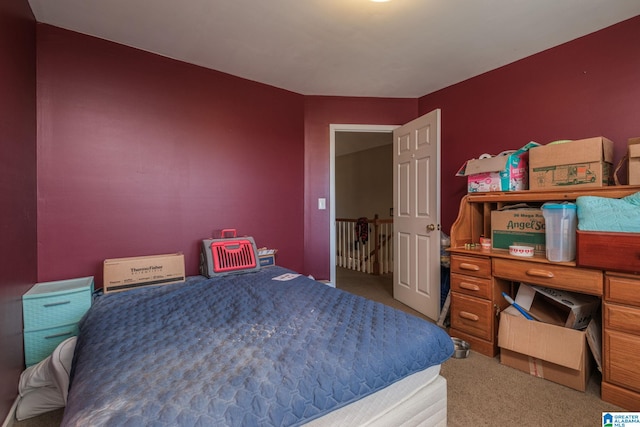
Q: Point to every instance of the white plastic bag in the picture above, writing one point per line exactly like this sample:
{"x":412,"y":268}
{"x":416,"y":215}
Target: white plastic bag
{"x":44,"y":386}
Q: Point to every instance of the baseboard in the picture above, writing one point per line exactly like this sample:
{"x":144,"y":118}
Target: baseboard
{"x":11,"y":416}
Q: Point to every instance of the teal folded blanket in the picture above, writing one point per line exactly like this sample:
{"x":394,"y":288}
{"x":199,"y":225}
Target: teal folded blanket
{"x":606,"y":214}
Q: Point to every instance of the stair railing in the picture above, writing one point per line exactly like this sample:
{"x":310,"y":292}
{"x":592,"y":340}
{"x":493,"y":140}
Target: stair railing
{"x":365,"y":244}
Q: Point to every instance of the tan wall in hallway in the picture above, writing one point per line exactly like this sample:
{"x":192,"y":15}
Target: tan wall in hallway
{"x":364,"y":183}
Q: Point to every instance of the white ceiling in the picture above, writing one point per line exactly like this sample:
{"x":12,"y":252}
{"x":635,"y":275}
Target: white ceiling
{"x":404,"y":48}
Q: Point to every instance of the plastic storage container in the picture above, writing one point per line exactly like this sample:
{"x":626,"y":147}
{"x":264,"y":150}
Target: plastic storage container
{"x":560,"y":231}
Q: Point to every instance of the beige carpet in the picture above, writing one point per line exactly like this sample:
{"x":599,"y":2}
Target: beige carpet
{"x":481,"y":391}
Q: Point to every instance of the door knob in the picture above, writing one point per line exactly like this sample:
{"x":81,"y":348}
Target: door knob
{"x":431,"y":227}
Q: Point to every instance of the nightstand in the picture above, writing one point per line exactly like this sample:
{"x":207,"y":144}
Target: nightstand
{"x":51,"y":312}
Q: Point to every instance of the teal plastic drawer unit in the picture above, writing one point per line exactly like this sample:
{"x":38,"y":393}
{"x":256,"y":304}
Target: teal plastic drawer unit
{"x":38,"y":345}
{"x":51,"y":312}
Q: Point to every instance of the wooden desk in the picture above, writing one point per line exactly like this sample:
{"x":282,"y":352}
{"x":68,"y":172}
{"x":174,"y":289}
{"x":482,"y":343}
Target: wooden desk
{"x":479,"y":276}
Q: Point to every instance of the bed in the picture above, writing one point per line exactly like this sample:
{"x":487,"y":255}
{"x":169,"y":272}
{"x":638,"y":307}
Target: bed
{"x":270,"y":347}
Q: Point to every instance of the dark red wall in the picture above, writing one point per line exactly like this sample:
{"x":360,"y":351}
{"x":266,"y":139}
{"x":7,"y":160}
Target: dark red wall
{"x":17,"y":185}
{"x":139,"y":154}
{"x":584,"y":88}
{"x":320,"y":113}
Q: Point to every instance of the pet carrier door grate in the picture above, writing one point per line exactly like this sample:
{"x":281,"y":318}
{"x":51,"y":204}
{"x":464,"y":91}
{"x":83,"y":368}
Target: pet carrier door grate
{"x":228,"y":255}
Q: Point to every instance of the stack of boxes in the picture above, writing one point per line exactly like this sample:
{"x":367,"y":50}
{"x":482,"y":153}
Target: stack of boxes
{"x":581,"y":163}
{"x":557,"y":165}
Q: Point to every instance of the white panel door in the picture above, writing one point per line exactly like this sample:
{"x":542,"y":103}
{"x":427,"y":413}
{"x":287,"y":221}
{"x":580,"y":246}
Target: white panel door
{"x":416,"y":206}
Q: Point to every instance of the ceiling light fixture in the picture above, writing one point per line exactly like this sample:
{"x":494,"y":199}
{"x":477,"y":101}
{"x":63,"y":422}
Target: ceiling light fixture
{"x":379,"y":1}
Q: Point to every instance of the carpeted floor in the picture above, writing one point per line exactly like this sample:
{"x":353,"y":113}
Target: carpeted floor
{"x":481,"y":391}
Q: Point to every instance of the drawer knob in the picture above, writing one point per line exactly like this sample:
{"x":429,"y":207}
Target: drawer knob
{"x":469,"y":286}
{"x":470,"y":267}
{"x":469,"y":316}
{"x":540,"y":273}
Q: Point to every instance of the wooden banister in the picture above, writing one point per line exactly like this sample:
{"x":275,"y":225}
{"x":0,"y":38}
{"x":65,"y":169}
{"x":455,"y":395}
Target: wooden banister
{"x":380,"y":260}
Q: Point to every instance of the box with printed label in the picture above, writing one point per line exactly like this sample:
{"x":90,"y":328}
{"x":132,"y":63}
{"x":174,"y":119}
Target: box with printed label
{"x":520,"y":226}
{"x":121,"y":274}
{"x":267,"y":257}
{"x":560,"y":308}
{"x":580,"y":163}
{"x":546,"y":351}
{"x":507,"y":171}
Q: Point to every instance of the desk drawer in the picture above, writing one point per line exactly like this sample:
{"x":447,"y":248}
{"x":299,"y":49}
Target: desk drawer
{"x":622,"y":318}
{"x":472,"y":315}
{"x":472,"y":266}
{"x":624,"y":255}
{"x":621,"y":359}
{"x":625,"y":290}
{"x":562,"y":277}
{"x":471,"y":285}
{"x":54,"y":310}
{"x":40,"y":344}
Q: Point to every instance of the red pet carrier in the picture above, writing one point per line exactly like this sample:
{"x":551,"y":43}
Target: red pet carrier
{"x":228,"y":254}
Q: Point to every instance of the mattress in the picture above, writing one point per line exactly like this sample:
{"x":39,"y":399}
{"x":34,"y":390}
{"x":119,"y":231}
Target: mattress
{"x":417,"y":400}
{"x":269,"y":347}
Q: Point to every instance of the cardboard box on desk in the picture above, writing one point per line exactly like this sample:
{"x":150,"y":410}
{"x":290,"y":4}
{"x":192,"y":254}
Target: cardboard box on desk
{"x":121,"y":274}
{"x":581,"y":163}
{"x":546,"y":351}
{"x":634,"y":161}
{"x":506,"y":172}
{"x":523,"y":226}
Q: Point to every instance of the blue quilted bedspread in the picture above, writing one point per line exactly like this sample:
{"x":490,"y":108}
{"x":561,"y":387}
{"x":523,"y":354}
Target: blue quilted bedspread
{"x":239,"y":350}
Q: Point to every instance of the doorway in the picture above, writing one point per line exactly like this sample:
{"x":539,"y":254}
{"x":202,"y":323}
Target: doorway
{"x":339,"y":134}
{"x":416,"y":200}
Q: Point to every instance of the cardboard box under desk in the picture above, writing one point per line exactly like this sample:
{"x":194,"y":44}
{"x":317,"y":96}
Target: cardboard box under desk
{"x":557,"y":307}
{"x":121,"y":274}
{"x":581,"y":163}
{"x":546,"y":351}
